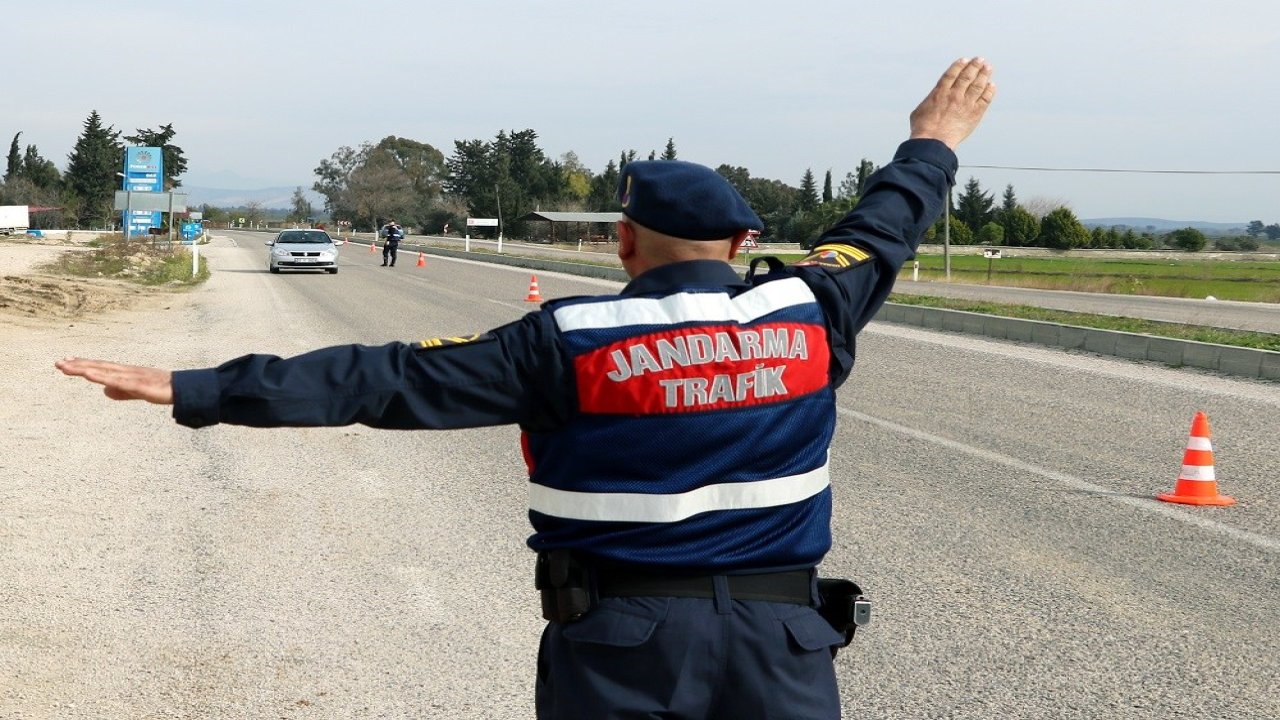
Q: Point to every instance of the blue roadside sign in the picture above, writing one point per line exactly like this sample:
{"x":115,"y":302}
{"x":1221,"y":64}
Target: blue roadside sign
{"x":143,"y":172}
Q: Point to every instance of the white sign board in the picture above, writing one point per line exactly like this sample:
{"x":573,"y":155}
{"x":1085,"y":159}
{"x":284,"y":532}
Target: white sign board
{"x":994,"y":254}
{"x":482,"y":222}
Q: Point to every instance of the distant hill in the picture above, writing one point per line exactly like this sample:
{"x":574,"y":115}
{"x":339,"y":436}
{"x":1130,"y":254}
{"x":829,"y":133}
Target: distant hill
{"x":1158,"y":225}
{"x":272,"y":198}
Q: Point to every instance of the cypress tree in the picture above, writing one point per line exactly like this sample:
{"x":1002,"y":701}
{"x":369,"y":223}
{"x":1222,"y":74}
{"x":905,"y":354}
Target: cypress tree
{"x":14,"y":167}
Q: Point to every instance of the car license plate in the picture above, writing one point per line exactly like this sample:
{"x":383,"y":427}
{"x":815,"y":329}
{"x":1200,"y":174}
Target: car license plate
{"x":306,"y":260}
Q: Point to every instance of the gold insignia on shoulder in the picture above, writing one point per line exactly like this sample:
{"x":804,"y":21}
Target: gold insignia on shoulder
{"x":835,"y":256}
{"x":446,"y":341}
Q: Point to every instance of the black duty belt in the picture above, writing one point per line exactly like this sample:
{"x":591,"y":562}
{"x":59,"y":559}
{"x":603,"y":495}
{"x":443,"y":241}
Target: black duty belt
{"x":785,"y":587}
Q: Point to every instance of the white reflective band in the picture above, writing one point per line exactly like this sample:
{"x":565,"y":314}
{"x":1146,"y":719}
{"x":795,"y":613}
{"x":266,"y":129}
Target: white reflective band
{"x":1199,"y":443}
{"x":640,"y":507}
{"x":1197,"y":472}
{"x":686,"y":307}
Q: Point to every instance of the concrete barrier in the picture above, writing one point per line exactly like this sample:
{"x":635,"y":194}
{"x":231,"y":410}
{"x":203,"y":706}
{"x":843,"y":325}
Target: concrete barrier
{"x":1226,"y":359}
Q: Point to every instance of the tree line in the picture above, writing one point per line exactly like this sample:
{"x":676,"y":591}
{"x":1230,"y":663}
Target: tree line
{"x":974,"y":219}
{"x":511,"y":175}
{"x":83,"y":196}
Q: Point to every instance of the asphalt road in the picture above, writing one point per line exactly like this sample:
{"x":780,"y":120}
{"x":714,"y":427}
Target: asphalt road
{"x":995,"y":501}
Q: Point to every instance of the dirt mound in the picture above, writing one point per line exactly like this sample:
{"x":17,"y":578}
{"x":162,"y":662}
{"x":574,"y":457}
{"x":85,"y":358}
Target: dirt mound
{"x":52,"y":297}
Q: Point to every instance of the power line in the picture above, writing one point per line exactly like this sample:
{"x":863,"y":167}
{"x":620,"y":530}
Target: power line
{"x":1120,"y":170}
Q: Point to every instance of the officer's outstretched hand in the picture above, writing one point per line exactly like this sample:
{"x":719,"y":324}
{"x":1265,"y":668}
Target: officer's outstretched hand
{"x":955,"y":106}
{"x":123,"y":382}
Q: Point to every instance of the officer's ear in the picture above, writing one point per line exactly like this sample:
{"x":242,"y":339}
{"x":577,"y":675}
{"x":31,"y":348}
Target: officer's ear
{"x":736,"y":242}
{"x":626,"y":240}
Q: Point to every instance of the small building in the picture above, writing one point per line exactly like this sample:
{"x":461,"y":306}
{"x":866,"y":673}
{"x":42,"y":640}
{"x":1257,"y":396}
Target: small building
{"x":574,"y":226}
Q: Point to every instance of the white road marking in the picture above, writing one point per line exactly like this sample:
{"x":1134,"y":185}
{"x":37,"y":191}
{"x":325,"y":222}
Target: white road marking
{"x":1152,"y":505}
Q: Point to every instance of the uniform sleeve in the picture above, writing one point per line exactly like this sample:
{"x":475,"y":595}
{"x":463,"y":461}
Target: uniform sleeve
{"x":513,"y":374}
{"x":853,"y":265}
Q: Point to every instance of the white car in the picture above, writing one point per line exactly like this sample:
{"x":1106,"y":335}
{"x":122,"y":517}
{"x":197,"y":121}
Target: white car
{"x":303,"y":250}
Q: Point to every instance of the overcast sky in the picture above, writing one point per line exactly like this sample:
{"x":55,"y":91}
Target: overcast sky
{"x":260,"y":94}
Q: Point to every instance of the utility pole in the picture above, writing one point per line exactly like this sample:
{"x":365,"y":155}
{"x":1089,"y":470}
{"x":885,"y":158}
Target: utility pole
{"x":946,"y":235}
{"x":498,"y":196}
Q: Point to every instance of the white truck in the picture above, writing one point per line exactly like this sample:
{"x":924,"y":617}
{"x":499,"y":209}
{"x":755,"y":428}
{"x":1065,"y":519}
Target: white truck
{"x":14,"y":219}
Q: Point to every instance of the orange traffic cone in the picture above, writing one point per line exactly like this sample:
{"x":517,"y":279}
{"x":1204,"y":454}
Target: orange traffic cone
{"x":534,"y":295}
{"x":422,"y":259}
{"x":1197,"y":484}
{"x":373,"y":246}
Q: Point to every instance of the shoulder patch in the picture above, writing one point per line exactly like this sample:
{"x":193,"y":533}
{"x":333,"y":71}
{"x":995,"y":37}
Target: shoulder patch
{"x":835,"y":256}
{"x":447,"y":341}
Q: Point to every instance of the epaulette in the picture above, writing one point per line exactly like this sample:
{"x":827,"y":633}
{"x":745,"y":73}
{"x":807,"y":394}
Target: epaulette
{"x":836,"y":256}
{"x":447,"y":341}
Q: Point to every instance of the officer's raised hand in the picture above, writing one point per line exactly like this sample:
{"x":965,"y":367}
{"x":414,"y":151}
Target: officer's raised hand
{"x":955,"y":106}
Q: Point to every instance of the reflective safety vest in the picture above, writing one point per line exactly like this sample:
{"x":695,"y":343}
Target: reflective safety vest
{"x":701,"y":434}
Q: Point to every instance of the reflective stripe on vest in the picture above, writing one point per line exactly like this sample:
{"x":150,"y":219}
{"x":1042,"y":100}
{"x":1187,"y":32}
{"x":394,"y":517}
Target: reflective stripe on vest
{"x":652,"y":508}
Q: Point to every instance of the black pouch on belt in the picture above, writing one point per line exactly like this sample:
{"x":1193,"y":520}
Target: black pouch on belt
{"x":565,"y":585}
{"x":843,"y":606}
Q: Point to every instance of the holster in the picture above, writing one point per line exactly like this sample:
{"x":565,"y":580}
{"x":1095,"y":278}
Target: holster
{"x":843,"y":606}
{"x":565,"y":585}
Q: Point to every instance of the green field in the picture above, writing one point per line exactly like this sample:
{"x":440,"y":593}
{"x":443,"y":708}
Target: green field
{"x":1192,"y":278}
{"x":1249,"y":281}
{"x":1225,"y":280}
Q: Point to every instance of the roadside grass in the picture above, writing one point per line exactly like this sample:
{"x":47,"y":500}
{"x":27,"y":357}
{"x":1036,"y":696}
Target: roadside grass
{"x":1197,"y":333}
{"x":138,"y":261}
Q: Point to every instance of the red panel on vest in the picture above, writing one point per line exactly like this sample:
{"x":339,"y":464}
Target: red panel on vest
{"x":703,"y":368}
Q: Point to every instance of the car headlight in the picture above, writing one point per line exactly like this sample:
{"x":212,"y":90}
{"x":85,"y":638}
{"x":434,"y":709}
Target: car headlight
{"x":280,"y":252}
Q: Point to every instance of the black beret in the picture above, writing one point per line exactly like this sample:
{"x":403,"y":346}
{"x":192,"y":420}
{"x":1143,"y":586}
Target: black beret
{"x":684,"y":200}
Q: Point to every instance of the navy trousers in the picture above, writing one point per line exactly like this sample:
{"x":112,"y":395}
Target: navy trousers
{"x":689,"y":658}
{"x":389,"y":251}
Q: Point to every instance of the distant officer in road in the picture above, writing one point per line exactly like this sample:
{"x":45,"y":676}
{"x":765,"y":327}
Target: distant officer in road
{"x":676,"y":433}
{"x":392,"y":234}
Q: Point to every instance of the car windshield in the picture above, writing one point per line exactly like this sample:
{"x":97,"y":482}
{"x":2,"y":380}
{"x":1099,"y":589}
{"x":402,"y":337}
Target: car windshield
{"x":306,"y":236}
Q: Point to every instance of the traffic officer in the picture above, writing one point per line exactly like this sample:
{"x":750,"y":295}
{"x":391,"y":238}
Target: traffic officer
{"x":675,"y":434}
{"x":392,"y":234}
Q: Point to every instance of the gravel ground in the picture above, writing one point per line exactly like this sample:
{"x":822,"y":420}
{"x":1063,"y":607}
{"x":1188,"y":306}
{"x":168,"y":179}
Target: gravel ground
{"x":154,"y":572}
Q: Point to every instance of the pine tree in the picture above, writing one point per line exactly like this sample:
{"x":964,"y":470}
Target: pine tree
{"x":670,"y":152}
{"x":827,"y":195}
{"x":974,"y":206}
{"x":41,"y":172}
{"x":91,"y":170}
{"x":1009,"y":201}
{"x":808,"y":191}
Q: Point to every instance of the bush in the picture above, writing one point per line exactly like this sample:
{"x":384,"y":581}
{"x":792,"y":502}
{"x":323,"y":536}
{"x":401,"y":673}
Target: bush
{"x":141,"y":261}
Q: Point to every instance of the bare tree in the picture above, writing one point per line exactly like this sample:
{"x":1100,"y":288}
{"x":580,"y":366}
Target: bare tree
{"x":1041,"y":206}
{"x":253,"y":213}
{"x":379,"y":190}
